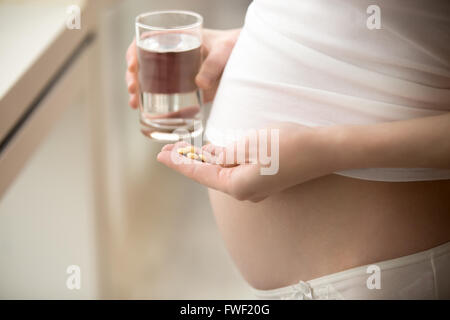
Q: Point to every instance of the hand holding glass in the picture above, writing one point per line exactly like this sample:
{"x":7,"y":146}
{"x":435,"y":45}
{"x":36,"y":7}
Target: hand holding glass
{"x":169,"y":58}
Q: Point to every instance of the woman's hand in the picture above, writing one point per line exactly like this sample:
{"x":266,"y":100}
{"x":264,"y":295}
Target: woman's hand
{"x":299,"y":154}
{"x":216,"y":49}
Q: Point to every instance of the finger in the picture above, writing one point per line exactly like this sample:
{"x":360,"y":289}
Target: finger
{"x":210,"y":175}
{"x":218,"y":155}
{"x":133,"y":101}
{"x":204,"y":51}
{"x":131,"y":81}
{"x":131,"y":51}
{"x":236,"y":153}
{"x":212,"y":149}
{"x":131,"y":57}
{"x":209,"y":94}
{"x":211,"y":69}
{"x":167,"y":147}
{"x":132,"y":64}
{"x":208,"y":38}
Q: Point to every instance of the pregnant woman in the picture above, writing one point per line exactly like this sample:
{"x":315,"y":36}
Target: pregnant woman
{"x":360,"y":205}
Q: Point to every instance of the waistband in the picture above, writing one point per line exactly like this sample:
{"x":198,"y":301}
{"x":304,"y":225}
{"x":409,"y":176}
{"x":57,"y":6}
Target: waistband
{"x":304,"y":290}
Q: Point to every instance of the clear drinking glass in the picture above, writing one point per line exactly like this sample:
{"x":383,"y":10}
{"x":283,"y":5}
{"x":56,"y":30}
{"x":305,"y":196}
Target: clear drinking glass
{"x":169,"y":56}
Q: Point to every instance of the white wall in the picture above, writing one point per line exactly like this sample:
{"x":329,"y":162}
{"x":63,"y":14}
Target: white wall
{"x":47,"y":217}
{"x":160,"y":239}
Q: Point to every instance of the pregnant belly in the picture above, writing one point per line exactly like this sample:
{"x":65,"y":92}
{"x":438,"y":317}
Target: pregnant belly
{"x":329,"y":225}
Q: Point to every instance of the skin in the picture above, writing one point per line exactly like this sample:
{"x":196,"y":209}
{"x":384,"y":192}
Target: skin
{"x":216,"y":48}
{"x":305,"y":222}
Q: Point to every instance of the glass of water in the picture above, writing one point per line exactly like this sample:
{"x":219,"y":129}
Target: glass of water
{"x":169,"y":57}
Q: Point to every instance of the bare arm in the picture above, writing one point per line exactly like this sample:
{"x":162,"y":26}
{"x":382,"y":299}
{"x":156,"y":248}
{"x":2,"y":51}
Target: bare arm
{"x":308,"y":153}
{"x":415,"y":143}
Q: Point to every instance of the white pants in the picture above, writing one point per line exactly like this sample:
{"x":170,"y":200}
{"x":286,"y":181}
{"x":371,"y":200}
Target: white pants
{"x":423,"y":275}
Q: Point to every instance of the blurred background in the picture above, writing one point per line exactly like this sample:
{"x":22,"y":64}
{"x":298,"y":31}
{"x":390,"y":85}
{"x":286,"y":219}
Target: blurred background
{"x":79,"y":183}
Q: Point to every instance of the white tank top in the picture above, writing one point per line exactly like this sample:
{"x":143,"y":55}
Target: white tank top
{"x":317,"y":63}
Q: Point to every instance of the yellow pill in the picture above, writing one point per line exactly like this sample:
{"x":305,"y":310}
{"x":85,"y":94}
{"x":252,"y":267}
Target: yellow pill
{"x":191,"y":155}
{"x":190,"y":149}
{"x":181,"y":150}
{"x":202,"y":157}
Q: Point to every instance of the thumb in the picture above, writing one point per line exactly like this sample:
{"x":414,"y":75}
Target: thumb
{"x":211,"y":69}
